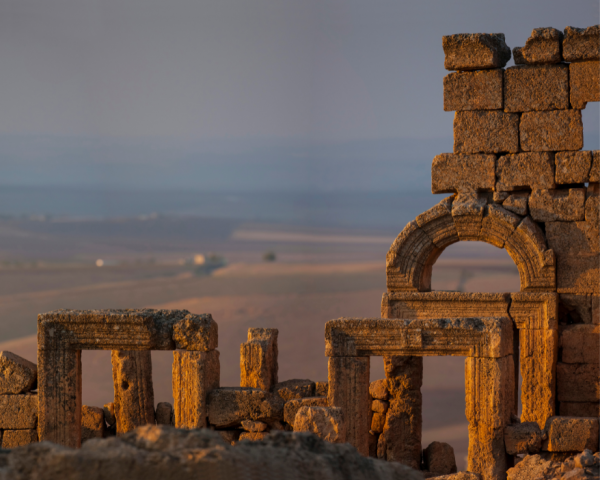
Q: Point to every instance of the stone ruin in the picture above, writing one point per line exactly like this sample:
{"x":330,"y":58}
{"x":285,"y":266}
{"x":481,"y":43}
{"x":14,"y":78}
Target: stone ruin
{"x":520,"y":181}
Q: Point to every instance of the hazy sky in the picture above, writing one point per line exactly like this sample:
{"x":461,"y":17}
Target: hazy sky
{"x":184,"y":72}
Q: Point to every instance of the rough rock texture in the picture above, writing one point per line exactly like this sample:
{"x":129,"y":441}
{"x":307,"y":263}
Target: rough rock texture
{"x":467,"y":212}
{"x":291,"y":407}
{"x":452,"y":173}
{"x":296,"y":388}
{"x":325,"y":422}
{"x":460,"y":476}
{"x":543,"y":46}
{"x":487,"y":132}
{"x":228,"y":406}
{"x":523,"y":438}
{"x":18,"y":438}
{"x":525,"y":170}
{"x":164,"y":413}
{"x":580,"y":344}
{"x":134,"y":392}
{"x":378,"y":422}
{"x":475,"y":51}
{"x":380,"y":406}
{"x":321,"y":389}
{"x":438,"y":458}
{"x":253,"y":426}
{"x":378,"y":389}
{"x":160,"y":452}
{"x":583,"y":466}
{"x":258,"y":359}
{"x":536,"y":88}
{"x":578,"y":382}
{"x":581,"y":44}
{"x":17,"y":375}
{"x":18,"y":411}
{"x":517,"y":203}
{"x":595,"y":170}
{"x":92,"y":423}
{"x":585,"y":83}
{"x":481,"y":90}
{"x":580,"y":409}
{"x":557,"y":205}
{"x":198,"y":333}
{"x":551,"y":131}
{"x":252,"y":436}
{"x":109,"y":414}
{"x":573,"y":167}
{"x":571,"y":434}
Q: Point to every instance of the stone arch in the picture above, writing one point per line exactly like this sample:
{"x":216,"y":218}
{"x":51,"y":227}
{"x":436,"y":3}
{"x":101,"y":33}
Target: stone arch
{"x":473,"y":217}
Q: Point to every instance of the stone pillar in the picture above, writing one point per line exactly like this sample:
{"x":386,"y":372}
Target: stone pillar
{"x":258,"y":359}
{"x":489,"y":386}
{"x":401,"y":437}
{"x":195,"y":374}
{"x":349,"y":390}
{"x":134,"y":392}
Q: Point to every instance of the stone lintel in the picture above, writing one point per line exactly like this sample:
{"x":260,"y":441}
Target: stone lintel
{"x":534,"y":310}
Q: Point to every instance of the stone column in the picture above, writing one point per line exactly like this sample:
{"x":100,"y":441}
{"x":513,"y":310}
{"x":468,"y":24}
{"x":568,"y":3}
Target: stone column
{"x":349,"y":390}
{"x":489,"y":386}
{"x":195,"y":374}
{"x":134,"y":392}
{"x":258,"y":359}
{"x":401,"y":437}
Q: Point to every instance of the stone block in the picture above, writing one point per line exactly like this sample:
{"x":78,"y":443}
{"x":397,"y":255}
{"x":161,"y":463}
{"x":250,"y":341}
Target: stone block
{"x":596,"y":310}
{"x":195,"y":375}
{"x":321,"y":389}
{"x":254,"y":426}
{"x":196,"y":332}
{"x":575,"y":308}
{"x":571,"y":434}
{"x":579,"y":409}
{"x":92,"y":423}
{"x":459,"y":476}
{"x":498,"y":225}
{"x":523,"y":438}
{"x":578,"y":382}
{"x":296,"y":388}
{"x":481,"y":90}
{"x":573,"y":167}
{"x":595,"y":170}
{"x":379,"y":406}
{"x":486,"y":132}
{"x":378,"y":389}
{"x":17,"y":375}
{"x":517,"y":203}
{"x":109,"y":414}
{"x":580,"y":344}
{"x":349,"y":390}
{"x":252,"y":436}
{"x":438,"y":459}
{"x":452,"y":173}
{"x":536,"y":88}
{"x":18,"y":412}
{"x":228,"y":406}
{"x":585,"y":83}
{"x":18,"y":438}
{"x":164,"y":414}
{"x":551,"y":131}
{"x":378,"y":422}
{"x":534,"y":310}
{"x":581,"y":44}
{"x":438,"y":225}
{"x":525,"y":171}
{"x":468,"y":210}
{"x":325,"y":422}
{"x":592,"y":212}
{"x":134,"y":392}
{"x":543,"y":46}
{"x":291,"y":407}
{"x":557,"y":205}
{"x":475,"y":51}
{"x":258,"y":359}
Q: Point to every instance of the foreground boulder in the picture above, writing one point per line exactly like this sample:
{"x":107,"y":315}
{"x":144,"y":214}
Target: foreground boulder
{"x":584,"y":466}
{"x":163,"y":453}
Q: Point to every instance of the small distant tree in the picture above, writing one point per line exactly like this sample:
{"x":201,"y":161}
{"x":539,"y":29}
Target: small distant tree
{"x":269,"y":256}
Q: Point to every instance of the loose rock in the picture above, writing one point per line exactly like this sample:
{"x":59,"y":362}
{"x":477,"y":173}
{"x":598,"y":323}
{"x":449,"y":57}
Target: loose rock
{"x":17,"y":375}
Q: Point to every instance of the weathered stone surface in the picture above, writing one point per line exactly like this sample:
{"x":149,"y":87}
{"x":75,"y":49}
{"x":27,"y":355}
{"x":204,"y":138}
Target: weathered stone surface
{"x":164,"y":414}
{"x":291,"y":407}
{"x":438,"y":458}
{"x":468,"y":210}
{"x":349,"y":390}
{"x":437,"y":224}
{"x":459,"y":476}
{"x":18,"y":411}
{"x":296,"y":388}
{"x":557,"y":205}
{"x":585,"y":83}
{"x":596,"y":310}
{"x":595,"y":170}
{"x":452,"y":173}
{"x":325,"y":422}
{"x":228,"y":406}
{"x":378,"y":422}
{"x":485,"y":337}
{"x":551,"y":131}
{"x":578,"y":382}
{"x":517,"y":203}
{"x":378,"y":388}
{"x":523,"y":438}
{"x":490,"y":398}
{"x":379,"y":406}
{"x":481,"y":90}
{"x":231,"y":437}
{"x":92,"y":423}
{"x":258,"y":359}
{"x":486,"y":132}
{"x":581,"y":44}
{"x":535,"y":467}
{"x":536,"y":88}
{"x":18,"y":438}
{"x":580,"y":344}
{"x":535,"y":310}
{"x":525,"y":170}
{"x":253,"y":436}
{"x":321,"y":389}
{"x":109,"y":414}
{"x":573,"y":167}
{"x":17,"y":375}
{"x":498,"y":225}
{"x":475,"y":51}
{"x":196,"y":332}
{"x":254,"y":426}
{"x":543,"y":46}
{"x":579,"y":409}
{"x":195,"y":375}
{"x":571,"y":434}
{"x":134,"y":392}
